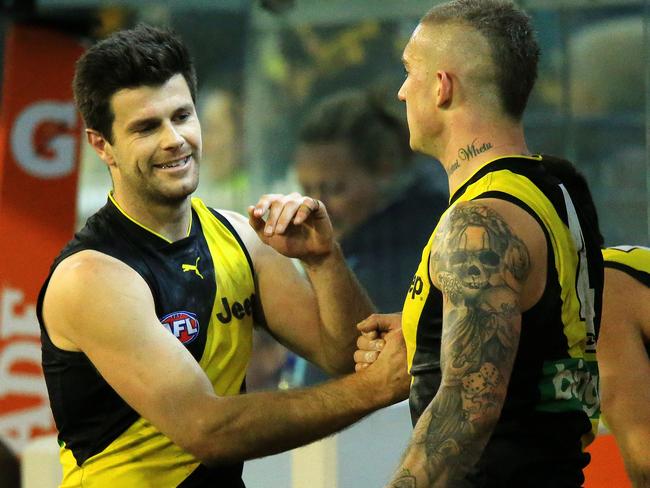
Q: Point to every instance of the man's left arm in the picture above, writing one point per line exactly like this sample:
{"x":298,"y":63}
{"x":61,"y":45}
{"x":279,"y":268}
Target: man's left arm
{"x":482,"y":266}
{"x":314,"y":316}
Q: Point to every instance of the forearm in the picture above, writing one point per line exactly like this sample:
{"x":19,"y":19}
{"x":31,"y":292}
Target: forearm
{"x":262,"y":424}
{"x":624,"y":400}
{"x":639,"y":475}
{"x":632,"y":434}
{"x":444,"y":445}
{"x":342,"y":303}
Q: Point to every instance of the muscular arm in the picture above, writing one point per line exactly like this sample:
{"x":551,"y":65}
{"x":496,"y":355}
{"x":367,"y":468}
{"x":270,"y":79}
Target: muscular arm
{"x":94,"y":304}
{"x":481,"y":266}
{"x":624,"y":369}
{"x":315,"y":316}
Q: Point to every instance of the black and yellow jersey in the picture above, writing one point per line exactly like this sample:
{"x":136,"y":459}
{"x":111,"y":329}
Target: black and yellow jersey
{"x":633,"y":261}
{"x":203,"y":290}
{"x":552,"y":394}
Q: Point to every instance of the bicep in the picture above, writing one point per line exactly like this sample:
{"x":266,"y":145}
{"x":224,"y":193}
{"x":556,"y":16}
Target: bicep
{"x":481,"y":266}
{"x":623,"y":363}
{"x":112,"y":320}
{"x":288,"y":303}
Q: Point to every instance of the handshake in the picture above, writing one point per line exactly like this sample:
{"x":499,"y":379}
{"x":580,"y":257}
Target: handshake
{"x":381,"y":344}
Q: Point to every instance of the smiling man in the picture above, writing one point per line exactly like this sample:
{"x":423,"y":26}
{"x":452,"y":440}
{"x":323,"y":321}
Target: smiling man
{"x":147,"y":315}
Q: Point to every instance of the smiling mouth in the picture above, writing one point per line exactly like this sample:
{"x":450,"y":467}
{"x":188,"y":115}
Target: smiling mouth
{"x":174,"y":164}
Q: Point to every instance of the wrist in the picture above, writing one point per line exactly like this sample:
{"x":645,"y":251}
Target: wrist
{"x":374,"y":388}
{"x":323,"y":259}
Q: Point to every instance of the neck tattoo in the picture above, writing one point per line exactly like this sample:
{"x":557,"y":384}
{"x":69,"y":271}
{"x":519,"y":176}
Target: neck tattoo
{"x":466,"y":153}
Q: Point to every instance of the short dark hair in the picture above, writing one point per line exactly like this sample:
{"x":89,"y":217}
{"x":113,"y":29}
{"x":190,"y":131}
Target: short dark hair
{"x":359,"y":118}
{"x":509,"y":33}
{"x":143,"y":55}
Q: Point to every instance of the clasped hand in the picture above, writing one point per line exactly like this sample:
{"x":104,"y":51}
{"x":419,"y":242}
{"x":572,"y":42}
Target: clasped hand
{"x":381,"y":341}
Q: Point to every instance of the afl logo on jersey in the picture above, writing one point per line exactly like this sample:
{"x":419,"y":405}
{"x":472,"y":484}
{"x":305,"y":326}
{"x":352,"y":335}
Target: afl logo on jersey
{"x":184,"y":325}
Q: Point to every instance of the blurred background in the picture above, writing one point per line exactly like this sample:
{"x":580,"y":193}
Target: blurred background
{"x":265,"y":65}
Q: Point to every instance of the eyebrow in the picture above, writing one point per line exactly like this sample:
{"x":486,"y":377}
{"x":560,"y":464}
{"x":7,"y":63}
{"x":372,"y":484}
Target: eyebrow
{"x":140,"y":123}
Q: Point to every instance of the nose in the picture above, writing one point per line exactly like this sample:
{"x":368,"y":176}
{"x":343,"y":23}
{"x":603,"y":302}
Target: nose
{"x":401,"y":92}
{"x":171,"y":138}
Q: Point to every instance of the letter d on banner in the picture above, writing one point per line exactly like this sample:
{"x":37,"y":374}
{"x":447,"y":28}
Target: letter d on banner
{"x":40,"y":133}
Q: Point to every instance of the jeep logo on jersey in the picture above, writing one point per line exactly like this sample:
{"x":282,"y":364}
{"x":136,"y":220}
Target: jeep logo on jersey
{"x":184,"y":325}
{"x":416,"y":286}
{"x":237,"y":309}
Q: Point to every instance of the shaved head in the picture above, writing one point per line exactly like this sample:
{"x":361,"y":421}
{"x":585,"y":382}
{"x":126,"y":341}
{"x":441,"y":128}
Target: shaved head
{"x":486,"y":32}
{"x":463,"y":52}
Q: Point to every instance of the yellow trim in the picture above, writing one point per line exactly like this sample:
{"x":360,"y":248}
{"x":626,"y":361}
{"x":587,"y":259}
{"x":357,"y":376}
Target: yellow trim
{"x":566,"y":256}
{"x":522,"y":156}
{"x":233,"y":279}
{"x":117,"y":205}
{"x":636,"y":257}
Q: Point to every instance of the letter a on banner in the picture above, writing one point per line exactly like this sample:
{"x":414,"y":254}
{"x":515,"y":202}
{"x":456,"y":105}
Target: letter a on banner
{"x":40,"y":134}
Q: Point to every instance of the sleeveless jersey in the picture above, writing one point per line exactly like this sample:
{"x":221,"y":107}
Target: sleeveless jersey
{"x":203,"y":290}
{"x":552,"y":392}
{"x":633,"y":261}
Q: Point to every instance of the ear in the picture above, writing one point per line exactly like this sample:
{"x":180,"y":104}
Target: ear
{"x":101,"y":146}
{"x":445,"y":89}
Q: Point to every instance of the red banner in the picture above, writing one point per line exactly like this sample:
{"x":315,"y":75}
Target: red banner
{"x":40,"y":134}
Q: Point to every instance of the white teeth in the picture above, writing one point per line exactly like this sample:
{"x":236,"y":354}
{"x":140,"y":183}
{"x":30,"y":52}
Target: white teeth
{"x":173,"y":165}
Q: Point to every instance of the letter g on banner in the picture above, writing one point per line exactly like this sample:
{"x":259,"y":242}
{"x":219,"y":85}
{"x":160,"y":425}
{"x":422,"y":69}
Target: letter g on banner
{"x":59,"y":143}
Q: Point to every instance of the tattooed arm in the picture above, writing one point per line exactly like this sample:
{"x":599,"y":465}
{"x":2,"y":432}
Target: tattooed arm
{"x":481,"y":266}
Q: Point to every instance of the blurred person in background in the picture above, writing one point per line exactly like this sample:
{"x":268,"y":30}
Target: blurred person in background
{"x":624,"y":356}
{"x":602,"y":126}
{"x":353,"y":154}
{"x":607,"y":53}
{"x":610,"y":123}
{"x":224,"y":181}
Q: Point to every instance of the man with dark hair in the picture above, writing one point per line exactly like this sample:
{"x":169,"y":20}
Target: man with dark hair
{"x":353,"y":155}
{"x":517,"y":260}
{"x":147,"y":314}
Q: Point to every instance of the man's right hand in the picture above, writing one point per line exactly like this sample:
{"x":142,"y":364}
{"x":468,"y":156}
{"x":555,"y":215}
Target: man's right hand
{"x":372,"y":339}
{"x":389,"y":368}
{"x":296,"y":226}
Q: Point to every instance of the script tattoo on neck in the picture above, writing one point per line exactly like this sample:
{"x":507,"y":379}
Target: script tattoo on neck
{"x":468,"y":152}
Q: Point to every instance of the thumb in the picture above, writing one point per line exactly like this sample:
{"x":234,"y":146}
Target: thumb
{"x":379,"y":323}
{"x":257,"y":223}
